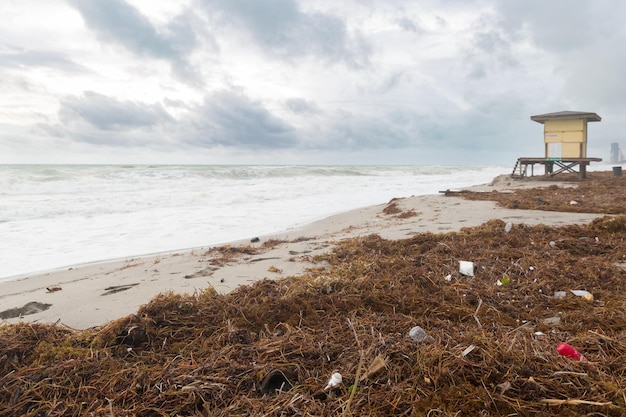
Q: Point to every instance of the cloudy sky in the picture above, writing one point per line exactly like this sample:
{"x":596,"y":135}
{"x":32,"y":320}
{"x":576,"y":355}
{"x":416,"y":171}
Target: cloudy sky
{"x":304,"y":82}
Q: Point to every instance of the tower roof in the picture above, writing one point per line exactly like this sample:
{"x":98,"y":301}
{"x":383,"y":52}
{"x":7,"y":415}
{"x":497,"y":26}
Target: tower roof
{"x":588,"y":116}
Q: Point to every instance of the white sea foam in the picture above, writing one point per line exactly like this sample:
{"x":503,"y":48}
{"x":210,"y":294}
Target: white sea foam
{"x":53,"y":216}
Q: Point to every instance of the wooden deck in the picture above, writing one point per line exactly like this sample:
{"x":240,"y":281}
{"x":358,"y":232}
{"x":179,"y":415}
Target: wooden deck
{"x":552,"y":166}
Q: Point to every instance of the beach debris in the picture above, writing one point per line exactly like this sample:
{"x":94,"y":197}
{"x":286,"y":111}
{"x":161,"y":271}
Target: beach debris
{"x":559,"y":294}
{"x":569,"y":351}
{"x":417,"y":334}
{"x":552,"y":244}
{"x":392,"y":207}
{"x":552,"y":321}
{"x":448,"y":277}
{"x":466,"y":268}
{"x":558,"y":402}
{"x":335,"y":380}
{"x":505,"y":386}
{"x":508,"y":227}
{"x":468,"y":350}
{"x":134,"y":336}
{"x":378,"y":364}
{"x":54,"y":288}
{"x":255,"y":240}
{"x":206,"y":272}
{"x":573,"y":203}
{"x":503,"y":281}
{"x":118,"y":288}
{"x":583,"y":293}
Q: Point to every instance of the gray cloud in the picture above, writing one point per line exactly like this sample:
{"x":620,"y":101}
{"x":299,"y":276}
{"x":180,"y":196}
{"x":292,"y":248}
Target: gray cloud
{"x":23,"y":58}
{"x":119,"y":23}
{"x":302,"y":106}
{"x":582,"y":45}
{"x":229,"y":118}
{"x":283,"y":30}
{"x":410,"y":25}
{"x":226,"y":118}
{"x":111,"y":114}
{"x":557,"y":25}
{"x":491,"y":53}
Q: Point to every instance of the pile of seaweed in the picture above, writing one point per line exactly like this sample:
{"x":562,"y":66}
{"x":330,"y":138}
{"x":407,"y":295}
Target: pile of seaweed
{"x":410,"y":332}
{"x":601,"y":192}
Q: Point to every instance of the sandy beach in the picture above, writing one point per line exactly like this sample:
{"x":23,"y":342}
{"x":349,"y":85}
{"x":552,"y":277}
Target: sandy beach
{"x":91,"y":295}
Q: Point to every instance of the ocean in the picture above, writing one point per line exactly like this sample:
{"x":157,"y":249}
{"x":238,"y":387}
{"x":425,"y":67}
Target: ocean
{"x":56,"y":216}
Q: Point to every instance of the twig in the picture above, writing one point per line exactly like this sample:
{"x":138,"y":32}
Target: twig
{"x":480,"y":303}
{"x":560,"y":373}
{"x":111,"y":407}
{"x":346,"y":410}
{"x":552,"y":401}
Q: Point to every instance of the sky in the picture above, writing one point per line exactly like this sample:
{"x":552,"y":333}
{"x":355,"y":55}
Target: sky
{"x":304,"y":82}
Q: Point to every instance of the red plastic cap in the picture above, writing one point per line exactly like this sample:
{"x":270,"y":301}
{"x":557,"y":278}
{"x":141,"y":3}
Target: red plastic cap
{"x":569,"y":352}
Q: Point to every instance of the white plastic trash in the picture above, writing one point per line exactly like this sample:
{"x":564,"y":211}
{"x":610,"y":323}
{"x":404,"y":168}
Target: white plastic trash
{"x":334,"y":381}
{"x":418,"y":334}
{"x":584,"y":294}
{"x":466,"y":268}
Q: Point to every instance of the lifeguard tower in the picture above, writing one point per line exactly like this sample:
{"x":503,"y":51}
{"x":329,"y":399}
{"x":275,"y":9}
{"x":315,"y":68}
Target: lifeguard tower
{"x":565,"y":138}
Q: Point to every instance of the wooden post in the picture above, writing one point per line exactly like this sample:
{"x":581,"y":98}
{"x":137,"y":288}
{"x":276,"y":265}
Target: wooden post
{"x":583,"y":170}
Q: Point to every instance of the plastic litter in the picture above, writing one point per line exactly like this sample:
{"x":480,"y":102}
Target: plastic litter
{"x":583,"y":293}
{"x":468,"y":350}
{"x":503,"y":281}
{"x":552,"y":321}
{"x":568,"y":351}
{"x":335,"y":380}
{"x":418,"y":334}
{"x":466,"y":268}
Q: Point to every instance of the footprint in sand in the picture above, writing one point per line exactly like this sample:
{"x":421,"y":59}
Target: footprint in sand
{"x":28,"y":308}
{"x":206,"y":272}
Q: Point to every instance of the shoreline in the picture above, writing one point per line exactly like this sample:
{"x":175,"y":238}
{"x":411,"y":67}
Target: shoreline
{"x":93,"y":294}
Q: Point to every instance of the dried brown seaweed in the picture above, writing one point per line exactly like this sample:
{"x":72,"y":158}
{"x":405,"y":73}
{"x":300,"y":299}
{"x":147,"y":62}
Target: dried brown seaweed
{"x":600,"y":192}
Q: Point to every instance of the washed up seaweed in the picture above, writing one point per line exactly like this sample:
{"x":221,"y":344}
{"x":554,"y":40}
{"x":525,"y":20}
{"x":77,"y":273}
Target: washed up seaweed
{"x":487,"y":345}
{"x":601,"y":192}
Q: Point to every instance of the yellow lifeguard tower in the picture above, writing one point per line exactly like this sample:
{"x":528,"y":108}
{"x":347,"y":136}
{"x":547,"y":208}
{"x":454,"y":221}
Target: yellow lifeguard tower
{"x":565,"y":138}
